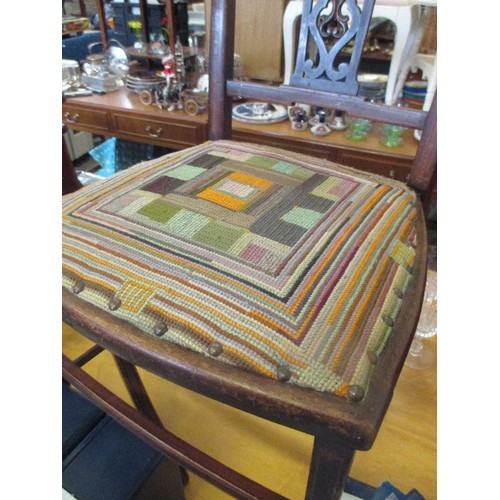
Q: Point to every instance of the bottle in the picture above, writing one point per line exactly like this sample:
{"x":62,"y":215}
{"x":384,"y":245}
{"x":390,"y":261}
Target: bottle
{"x":299,"y":121}
{"x":179,"y":60}
{"x":321,"y":128}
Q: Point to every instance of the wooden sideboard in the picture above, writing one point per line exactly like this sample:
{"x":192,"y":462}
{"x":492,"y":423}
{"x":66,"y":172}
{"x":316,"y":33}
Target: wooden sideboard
{"x":368,"y":155}
{"x":121,"y":114}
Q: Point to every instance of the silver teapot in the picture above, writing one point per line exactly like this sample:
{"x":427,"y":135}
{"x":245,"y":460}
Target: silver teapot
{"x":95,"y":64}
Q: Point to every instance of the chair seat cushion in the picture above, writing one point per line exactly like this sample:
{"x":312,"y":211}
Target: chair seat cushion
{"x":279,"y":263}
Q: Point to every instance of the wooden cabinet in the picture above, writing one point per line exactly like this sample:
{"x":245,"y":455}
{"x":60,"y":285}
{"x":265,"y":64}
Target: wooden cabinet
{"x":121,"y":114}
{"x":171,"y":134}
{"x":82,"y":118}
{"x":395,"y":167}
{"x":368,"y":155}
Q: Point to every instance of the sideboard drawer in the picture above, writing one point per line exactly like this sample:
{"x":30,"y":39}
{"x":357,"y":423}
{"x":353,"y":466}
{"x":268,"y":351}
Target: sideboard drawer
{"x":176,"y":135}
{"x":284,"y":142}
{"x":394,"y":167}
{"x":76,"y":117}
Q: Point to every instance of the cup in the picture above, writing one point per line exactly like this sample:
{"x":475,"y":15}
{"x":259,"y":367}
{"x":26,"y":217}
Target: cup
{"x":356,"y":134}
{"x":391,"y":135}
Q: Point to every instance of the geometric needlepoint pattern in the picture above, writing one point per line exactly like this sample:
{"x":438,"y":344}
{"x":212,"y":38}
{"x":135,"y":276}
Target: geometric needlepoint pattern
{"x":162,"y":185}
{"x":159,"y":211}
{"x":265,"y":253}
{"x":134,"y":295}
{"x":334,"y":188}
{"x":185,"y":172}
{"x":285,"y":260}
{"x":186,"y":223}
{"x":218,"y":235}
{"x":262,"y":161}
{"x":236,"y":191}
{"x":302,"y":217}
{"x":292,"y":170}
{"x":253,"y":253}
{"x":403,"y":254}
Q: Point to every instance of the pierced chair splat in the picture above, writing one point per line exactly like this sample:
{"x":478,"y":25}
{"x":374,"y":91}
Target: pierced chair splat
{"x":281,"y":284}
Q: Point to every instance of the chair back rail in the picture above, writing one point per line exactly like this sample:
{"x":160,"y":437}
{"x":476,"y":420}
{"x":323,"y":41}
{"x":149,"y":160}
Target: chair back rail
{"x":313,"y":82}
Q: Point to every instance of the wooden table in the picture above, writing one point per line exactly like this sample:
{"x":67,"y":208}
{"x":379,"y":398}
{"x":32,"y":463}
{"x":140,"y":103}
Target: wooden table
{"x":121,"y":114}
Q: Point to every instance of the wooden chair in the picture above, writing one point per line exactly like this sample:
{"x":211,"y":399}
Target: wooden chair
{"x":283,"y":285}
{"x":70,"y":181}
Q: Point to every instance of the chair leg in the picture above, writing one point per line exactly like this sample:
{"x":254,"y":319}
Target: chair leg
{"x":70,"y":181}
{"x":136,"y":421}
{"x":136,"y":389}
{"x":330,"y":465}
{"x":143,"y":403}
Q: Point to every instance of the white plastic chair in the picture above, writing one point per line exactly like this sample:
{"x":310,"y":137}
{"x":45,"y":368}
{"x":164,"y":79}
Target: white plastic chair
{"x":414,"y":60}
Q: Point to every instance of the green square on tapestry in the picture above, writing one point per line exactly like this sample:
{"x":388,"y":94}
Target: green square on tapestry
{"x":329,"y":189}
{"x":185,"y":172}
{"x":219,"y":235}
{"x":261,"y":161}
{"x":186,"y":223}
{"x":159,"y":211}
{"x":303,"y":217}
{"x":292,"y":170}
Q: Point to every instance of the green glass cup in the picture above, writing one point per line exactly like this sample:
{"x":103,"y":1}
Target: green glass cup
{"x":391,"y":135}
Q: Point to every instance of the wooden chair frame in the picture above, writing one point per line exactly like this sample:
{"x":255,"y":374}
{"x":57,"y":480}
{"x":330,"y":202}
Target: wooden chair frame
{"x":339,"y":426}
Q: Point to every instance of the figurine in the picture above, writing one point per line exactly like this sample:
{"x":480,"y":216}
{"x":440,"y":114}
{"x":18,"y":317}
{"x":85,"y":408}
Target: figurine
{"x":163,"y":94}
{"x":170,"y":96}
{"x":339,"y":122}
{"x":168,"y":69}
{"x":321,"y":128}
{"x":299,"y":120}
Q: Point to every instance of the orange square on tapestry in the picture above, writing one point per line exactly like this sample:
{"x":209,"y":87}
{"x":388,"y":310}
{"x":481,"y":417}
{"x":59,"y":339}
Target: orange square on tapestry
{"x":250,"y":179}
{"x":235,"y":191}
{"x":222,"y":199}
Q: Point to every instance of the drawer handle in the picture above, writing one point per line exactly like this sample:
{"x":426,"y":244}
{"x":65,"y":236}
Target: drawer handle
{"x":150,"y":132}
{"x":392,"y":174}
{"x":72,"y":119}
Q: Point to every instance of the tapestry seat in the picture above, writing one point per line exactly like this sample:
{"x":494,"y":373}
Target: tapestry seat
{"x":282,"y":264}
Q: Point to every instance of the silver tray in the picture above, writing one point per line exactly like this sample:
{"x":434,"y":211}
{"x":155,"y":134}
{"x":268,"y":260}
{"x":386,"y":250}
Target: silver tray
{"x":260,"y":112}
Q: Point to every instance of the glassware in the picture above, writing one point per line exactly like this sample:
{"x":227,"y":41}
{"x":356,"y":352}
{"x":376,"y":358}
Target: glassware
{"x":71,"y":76}
{"x":363,"y":124}
{"x":421,"y":355}
{"x":358,"y":129}
{"x":391,"y":135}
